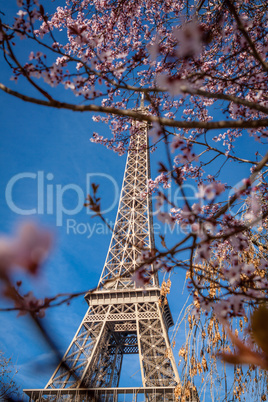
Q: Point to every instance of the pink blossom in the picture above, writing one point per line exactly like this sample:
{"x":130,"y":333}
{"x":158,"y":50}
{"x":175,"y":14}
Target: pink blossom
{"x":263,"y":264}
{"x":204,"y":304}
{"x":21,"y":13}
{"x":173,"y":85}
{"x":248,"y":269}
{"x":254,"y":208}
{"x":7,"y":254}
{"x":255,"y":204}
{"x":161,"y":179}
{"x":203,"y":251}
{"x":30,"y":304}
{"x":160,"y":199}
{"x":196,"y":228}
{"x":189,"y":39}
{"x":32,"y":246}
{"x":144,"y":256}
{"x":187,"y":156}
{"x":178,"y":142}
{"x":201,"y":191}
{"x":156,"y":131}
{"x":79,"y":33}
{"x":166,"y":218}
{"x":219,"y":188}
{"x":186,"y":212}
{"x":233,"y":275}
{"x":158,"y":264}
{"x":140,"y":277}
{"x":208,"y":192}
{"x":239,"y":242}
{"x":234,"y":259}
{"x":236,"y":304}
{"x":222,"y":309}
{"x":153,"y":48}
{"x":196,"y":208}
{"x":27,"y":250}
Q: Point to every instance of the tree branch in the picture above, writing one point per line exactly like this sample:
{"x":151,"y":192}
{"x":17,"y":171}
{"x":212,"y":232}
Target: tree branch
{"x":140,"y":116}
{"x":246,"y":35}
{"x":258,"y":168}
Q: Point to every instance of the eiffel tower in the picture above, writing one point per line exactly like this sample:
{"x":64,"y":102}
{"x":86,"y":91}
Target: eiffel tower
{"x":122,"y":318}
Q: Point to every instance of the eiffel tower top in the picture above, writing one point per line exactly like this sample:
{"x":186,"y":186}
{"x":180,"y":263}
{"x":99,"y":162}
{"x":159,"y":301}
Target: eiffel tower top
{"x":133,"y":230}
{"x":142,"y":102}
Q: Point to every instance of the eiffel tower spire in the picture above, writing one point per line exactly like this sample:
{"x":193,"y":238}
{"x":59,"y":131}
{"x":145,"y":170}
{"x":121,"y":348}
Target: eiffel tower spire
{"x":133,"y":230}
{"x":122,"y":318}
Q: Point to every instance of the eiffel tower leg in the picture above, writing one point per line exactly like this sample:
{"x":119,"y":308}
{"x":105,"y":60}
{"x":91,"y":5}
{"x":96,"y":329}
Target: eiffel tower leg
{"x":106,"y":366}
{"x":105,"y":361}
{"x":116,"y":366}
{"x":158,"y":366}
{"x":81,"y":352}
{"x":108,"y":369}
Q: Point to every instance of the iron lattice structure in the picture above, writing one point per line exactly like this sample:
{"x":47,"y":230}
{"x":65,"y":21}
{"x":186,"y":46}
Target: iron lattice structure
{"x":121,"y":319}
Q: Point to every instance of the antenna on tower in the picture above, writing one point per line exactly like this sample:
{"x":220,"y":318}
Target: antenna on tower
{"x":142,"y":101}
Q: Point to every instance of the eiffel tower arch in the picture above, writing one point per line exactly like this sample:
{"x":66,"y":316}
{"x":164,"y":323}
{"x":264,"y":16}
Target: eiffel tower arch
{"x":122,"y":318}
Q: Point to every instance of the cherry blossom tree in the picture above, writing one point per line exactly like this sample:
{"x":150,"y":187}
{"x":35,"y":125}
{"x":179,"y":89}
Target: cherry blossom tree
{"x":8,"y":387}
{"x":200,"y":68}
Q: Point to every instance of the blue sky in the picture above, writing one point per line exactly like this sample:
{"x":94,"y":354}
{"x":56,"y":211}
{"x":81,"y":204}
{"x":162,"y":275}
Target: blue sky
{"x":36,"y":142}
